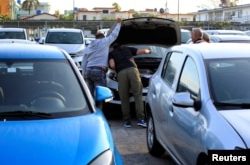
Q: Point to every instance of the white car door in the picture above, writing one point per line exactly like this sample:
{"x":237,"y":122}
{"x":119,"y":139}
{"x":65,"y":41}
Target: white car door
{"x":184,"y":133}
{"x":171,"y":70}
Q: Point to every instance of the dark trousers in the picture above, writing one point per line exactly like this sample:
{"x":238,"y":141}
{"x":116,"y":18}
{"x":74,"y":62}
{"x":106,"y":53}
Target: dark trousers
{"x":95,"y":76}
{"x":129,"y":81}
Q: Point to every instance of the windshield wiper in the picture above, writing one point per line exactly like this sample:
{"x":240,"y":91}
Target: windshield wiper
{"x":240,"y":105}
{"x":25,"y":114}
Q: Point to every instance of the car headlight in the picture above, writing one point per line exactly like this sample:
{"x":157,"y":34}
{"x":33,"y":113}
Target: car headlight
{"x":105,"y":158}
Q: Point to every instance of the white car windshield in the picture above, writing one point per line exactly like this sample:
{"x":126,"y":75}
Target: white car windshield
{"x":229,"y":80}
{"x":12,"y":35}
{"x":64,"y":38}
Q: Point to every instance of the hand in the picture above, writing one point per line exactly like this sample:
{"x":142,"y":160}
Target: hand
{"x":118,"y":20}
{"x":147,"y":51}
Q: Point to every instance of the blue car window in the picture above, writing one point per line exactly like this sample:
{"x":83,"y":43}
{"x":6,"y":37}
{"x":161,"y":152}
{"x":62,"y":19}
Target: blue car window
{"x":48,"y":86}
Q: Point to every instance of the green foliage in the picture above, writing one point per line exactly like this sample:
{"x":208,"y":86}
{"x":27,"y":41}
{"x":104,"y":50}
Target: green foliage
{"x":136,"y":14}
{"x":68,"y":17}
{"x":4,"y":18}
{"x":30,"y":5}
{"x":116,"y":6}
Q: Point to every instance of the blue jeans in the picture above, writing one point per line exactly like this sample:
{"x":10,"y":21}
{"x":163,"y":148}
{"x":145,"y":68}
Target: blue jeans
{"x":95,"y":76}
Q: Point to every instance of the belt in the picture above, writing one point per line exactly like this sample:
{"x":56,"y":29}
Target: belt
{"x":98,"y":68}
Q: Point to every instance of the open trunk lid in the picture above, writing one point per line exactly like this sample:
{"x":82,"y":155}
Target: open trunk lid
{"x":150,"y":31}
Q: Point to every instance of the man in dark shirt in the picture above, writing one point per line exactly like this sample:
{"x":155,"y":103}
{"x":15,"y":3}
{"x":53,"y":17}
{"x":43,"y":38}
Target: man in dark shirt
{"x":121,"y":60}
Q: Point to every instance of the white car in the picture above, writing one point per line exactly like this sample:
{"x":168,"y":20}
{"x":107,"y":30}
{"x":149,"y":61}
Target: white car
{"x":69,"y":39}
{"x":13,"y":33}
{"x":225,"y":32}
{"x":198,"y":102}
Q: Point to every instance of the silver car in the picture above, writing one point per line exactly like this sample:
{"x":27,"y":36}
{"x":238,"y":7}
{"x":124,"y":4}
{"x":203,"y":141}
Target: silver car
{"x":199,"y":100}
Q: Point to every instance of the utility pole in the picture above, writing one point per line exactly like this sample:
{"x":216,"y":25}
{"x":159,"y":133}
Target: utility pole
{"x":178,"y":10}
{"x":73,"y":9}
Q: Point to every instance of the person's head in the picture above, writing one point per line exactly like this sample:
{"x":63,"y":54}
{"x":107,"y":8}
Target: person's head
{"x":206,"y":37}
{"x":116,"y":45}
{"x":99,"y":35}
{"x":196,"y":34}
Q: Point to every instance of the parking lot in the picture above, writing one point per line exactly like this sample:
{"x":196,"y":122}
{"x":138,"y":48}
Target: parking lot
{"x":131,"y":142}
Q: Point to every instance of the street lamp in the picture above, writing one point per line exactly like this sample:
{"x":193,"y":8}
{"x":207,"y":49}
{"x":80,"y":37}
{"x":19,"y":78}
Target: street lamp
{"x":178,"y":10}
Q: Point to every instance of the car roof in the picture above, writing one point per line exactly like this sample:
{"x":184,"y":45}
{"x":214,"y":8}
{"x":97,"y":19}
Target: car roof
{"x":217,"y":50}
{"x":32,"y":51}
{"x":12,"y":29}
{"x":64,"y":30}
{"x":229,"y":38}
{"x":232,"y":32}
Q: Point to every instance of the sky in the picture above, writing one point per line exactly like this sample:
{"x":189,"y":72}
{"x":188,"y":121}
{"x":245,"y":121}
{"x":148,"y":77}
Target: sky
{"x":185,"y":6}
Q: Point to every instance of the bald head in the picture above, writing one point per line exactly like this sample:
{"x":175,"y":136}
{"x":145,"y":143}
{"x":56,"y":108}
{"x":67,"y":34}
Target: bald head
{"x":196,"y":34}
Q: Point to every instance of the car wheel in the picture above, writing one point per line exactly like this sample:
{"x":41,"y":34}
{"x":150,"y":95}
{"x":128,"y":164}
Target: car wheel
{"x":154,"y":147}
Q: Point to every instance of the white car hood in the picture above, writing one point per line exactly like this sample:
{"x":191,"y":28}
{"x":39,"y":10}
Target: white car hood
{"x":70,"y":48}
{"x":240,"y":120}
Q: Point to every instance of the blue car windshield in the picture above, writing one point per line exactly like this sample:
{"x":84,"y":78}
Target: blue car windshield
{"x":48,"y":86}
{"x":229,"y":81}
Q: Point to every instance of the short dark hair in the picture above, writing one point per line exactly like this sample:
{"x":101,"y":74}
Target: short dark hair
{"x":99,"y":35}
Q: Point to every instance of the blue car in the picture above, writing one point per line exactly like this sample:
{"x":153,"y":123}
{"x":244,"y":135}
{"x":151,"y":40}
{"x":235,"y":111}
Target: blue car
{"x":48,"y":116}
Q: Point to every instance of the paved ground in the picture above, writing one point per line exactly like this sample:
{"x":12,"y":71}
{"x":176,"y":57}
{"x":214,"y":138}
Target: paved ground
{"x":131,"y":142}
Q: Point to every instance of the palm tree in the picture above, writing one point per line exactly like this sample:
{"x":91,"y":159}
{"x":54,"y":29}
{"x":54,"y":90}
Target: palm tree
{"x":30,"y":5}
{"x":116,"y":6}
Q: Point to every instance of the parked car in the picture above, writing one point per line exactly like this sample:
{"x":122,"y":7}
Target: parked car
{"x":47,"y":113}
{"x":198,"y":100}
{"x":13,"y":33}
{"x":155,"y":33}
{"x":69,"y":39}
{"x":185,"y":35}
{"x":225,"y":32}
{"x":230,"y":38}
{"x":16,"y":41}
{"x":88,"y":40}
{"x":247,"y":32}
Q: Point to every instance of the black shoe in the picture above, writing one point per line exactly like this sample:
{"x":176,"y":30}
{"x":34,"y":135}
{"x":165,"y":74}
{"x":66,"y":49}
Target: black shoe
{"x":127,"y":124}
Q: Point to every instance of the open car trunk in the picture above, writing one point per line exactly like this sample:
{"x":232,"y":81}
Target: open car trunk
{"x":145,"y":32}
{"x":149,"y":30}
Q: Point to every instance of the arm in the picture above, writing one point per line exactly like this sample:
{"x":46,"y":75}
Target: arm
{"x":113,"y":35}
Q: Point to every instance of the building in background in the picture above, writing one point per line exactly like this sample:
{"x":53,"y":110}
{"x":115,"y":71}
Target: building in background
{"x":106,"y":13}
{"x":43,"y":7}
{"x":101,"y":13}
{"x":240,"y":13}
{"x":9,"y":9}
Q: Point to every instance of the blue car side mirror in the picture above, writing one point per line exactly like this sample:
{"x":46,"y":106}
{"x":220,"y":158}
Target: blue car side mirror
{"x":103,"y":94}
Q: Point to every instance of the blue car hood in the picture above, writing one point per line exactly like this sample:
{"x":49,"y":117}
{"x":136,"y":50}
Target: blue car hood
{"x":239,"y":119}
{"x":74,"y":140}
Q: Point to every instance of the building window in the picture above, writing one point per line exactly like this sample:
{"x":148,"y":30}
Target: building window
{"x":84,"y":17}
{"x":105,"y":11}
{"x":183,"y":19}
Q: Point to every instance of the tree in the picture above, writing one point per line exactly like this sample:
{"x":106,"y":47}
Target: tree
{"x":30,"y":5}
{"x":116,"y":6}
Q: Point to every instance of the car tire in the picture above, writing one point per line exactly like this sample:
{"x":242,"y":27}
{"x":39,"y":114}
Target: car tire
{"x":154,"y":147}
